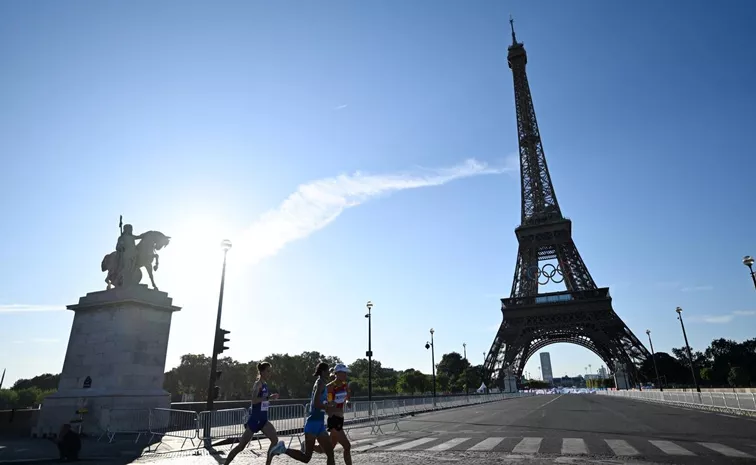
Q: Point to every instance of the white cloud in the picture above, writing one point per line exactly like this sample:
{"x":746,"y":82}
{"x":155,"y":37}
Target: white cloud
{"x":721,"y":319}
{"x":341,"y":107}
{"x":316,"y":204}
{"x":12,"y":308}
{"x":44,"y":340}
{"x":697,"y":288}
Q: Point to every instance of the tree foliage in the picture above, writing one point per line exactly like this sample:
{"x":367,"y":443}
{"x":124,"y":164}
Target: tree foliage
{"x":724,"y":363}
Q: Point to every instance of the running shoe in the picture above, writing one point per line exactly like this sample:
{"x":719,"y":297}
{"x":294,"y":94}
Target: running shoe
{"x":278,"y":449}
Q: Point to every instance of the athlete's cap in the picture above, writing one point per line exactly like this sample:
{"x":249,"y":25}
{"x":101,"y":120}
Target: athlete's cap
{"x":340,"y":368}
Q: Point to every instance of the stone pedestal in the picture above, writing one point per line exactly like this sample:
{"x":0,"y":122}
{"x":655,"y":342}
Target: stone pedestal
{"x":115,"y":361}
{"x":621,"y":380}
{"x":509,"y":384}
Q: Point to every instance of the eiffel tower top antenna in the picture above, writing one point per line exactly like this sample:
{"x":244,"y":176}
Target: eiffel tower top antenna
{"x":511,"y":25}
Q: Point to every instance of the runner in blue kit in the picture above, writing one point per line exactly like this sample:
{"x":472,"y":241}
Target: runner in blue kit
{"x":315,"y":428}
{"x":258,"y":417}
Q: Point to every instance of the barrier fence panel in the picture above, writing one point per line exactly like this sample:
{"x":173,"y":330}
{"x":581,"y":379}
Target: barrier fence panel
{"x":174,"y":423}
{"x":743,"y":403}
{"x":222,"y":424}
{"x":288,"y":420}
{"x":124,"y":421}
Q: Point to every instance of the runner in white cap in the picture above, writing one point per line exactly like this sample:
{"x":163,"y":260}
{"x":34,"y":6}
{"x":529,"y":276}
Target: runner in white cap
{"x":338,"y":398}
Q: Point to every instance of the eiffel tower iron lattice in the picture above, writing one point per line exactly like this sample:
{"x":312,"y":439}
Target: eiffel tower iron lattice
{"x":582,"y":314}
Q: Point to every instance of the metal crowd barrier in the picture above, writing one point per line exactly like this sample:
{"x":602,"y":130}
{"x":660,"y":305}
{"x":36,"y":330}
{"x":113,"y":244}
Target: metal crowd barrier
{"x":124,"y":421}
{"x":183,"y":424}
{"x":287,"y":419}
{"x":737,"y":402}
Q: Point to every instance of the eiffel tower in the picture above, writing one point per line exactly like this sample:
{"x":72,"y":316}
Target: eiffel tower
{"x":582,"y":314}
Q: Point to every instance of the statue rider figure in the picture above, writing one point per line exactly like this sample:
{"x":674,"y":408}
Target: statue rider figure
{"x":126,"y":256}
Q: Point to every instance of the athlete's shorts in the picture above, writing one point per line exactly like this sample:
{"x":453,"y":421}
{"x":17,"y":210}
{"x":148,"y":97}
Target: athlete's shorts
{"x":314,"y":427}
{"x":255,"y":423}
{"x":336,"y":423}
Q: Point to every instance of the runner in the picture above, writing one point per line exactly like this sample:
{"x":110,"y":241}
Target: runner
{"x":338,"y":398}
{"x":315,"y":424}
{"x":258,"y":417}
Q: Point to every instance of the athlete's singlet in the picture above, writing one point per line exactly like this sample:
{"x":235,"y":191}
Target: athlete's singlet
{"x":317,"y":414}
{"x":338,"y":392}
{"x":261,"y":407}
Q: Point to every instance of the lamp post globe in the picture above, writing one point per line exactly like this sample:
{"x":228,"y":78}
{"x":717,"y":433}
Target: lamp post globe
{"x":748,"y":261}
{"x":226,"y":245}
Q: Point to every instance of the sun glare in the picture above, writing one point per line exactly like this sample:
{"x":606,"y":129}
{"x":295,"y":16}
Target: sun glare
{"x":194,"y":256}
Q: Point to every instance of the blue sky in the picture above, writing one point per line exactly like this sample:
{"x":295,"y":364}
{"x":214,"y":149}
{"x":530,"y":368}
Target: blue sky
{"x":201,"y":121}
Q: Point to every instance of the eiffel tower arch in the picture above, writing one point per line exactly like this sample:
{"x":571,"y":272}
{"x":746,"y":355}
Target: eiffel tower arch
{"x":582,"y":313}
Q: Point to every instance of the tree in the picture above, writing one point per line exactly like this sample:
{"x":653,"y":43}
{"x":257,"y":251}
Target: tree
{"x":474,"y":377}
{"x":442,"y":382}
{"x":8,"y":399}
{"x":452,"y":365}
{"x":44,"y":382}
{"x":190,"y":376}
{"x":738,"y":377}
{"x":670,"y":369}
{"x":411,"y":382}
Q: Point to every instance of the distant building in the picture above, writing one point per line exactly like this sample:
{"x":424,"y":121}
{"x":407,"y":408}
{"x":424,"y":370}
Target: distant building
{"x":546,"y":372}
{"x":602,"y":373}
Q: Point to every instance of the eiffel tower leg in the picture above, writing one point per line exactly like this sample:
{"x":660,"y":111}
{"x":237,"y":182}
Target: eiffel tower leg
{"x":526,"y":273}
{"x":576,"y":275}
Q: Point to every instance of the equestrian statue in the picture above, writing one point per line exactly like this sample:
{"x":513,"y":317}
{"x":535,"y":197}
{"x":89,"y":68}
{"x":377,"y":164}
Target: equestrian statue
{"x":124,"y":265}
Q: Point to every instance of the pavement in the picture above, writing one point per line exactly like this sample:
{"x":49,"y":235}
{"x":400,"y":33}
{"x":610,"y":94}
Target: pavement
{"x":539,"y":430}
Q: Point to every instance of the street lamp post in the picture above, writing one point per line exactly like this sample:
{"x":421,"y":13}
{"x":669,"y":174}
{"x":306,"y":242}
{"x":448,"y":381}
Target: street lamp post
{"x":687,"y":349}
{"x":369,"y":355}
{"x":464,"y":350}
{"x":748,"y":261}
{"x":653,"y":357}
{"x":429,"y":345}
{"x":226,"y":246}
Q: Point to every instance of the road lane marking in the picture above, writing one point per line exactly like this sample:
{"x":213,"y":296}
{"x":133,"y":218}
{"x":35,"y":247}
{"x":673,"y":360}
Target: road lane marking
{"x":528,"y":446}
{"x":448,"y":444}
{"x":574,"y":446}
{"x":363,"y":440}
{"x":411,"y":444}
{"x":487,"y":444}
{"x":725,"y":450}
{"x":671,"y":448}
{"x":621,"y":447}
{"x":377,"y":444}
{"x":552,"y":400}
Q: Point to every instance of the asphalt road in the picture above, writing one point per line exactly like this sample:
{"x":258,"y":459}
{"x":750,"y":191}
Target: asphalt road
{"x":571,"y":428}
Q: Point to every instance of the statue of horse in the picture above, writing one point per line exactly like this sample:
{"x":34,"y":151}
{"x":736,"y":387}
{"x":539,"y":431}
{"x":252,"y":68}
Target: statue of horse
{"x":150,"y":242}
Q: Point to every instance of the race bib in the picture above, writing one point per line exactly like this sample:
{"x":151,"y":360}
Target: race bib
{"x":264,"y":406}
{"x":341,"y":397}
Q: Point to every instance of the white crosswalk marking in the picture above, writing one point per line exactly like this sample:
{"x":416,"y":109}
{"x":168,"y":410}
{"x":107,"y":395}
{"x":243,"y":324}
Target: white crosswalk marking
{"x":377,"y":444}
{"x":448,"y":444}
{"x":725,"y":450}
{"x":570,"y":446}
{"x":487,"y":444}
{"x":621,"y":447}
{"x":671,"y":448}
{"x":411,"y":444}
{"x":574,"y":446}
{"x":528,"y":446}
